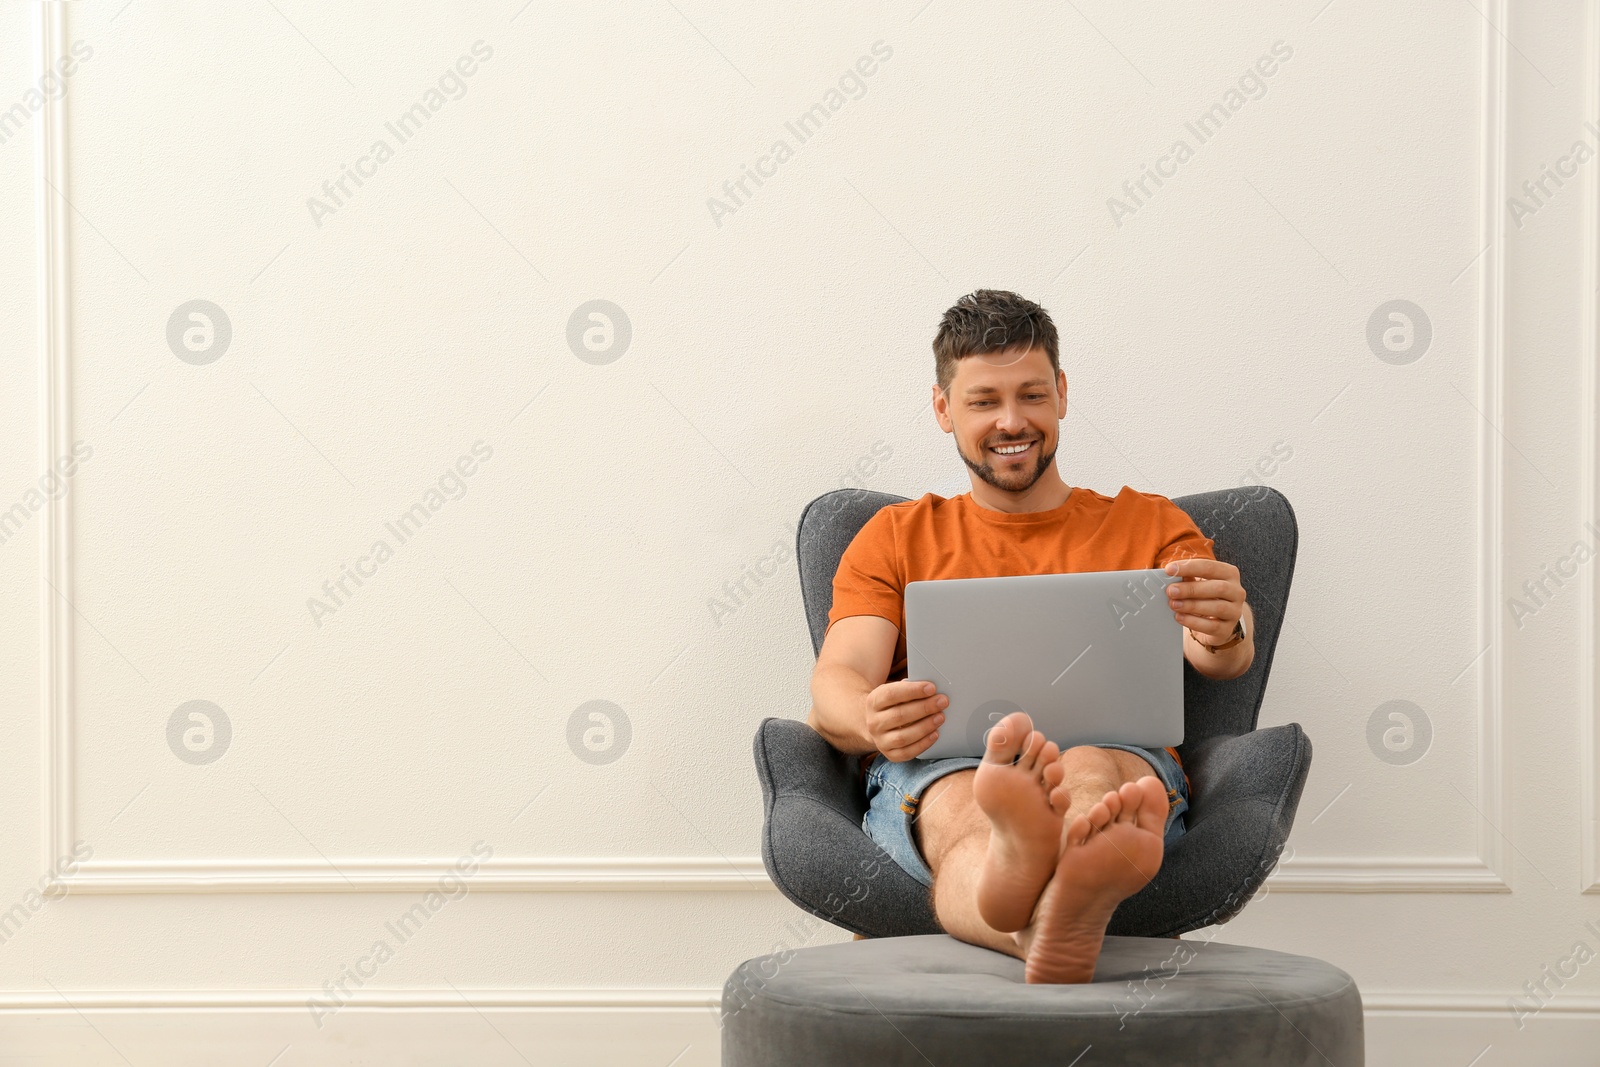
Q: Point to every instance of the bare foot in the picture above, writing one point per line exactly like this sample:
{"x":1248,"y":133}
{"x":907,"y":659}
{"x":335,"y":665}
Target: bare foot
{"x":1111,"y":852}
{"x":1025,"y":802}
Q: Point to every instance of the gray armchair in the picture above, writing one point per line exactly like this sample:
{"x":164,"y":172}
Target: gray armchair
{"x":1245,"y":782}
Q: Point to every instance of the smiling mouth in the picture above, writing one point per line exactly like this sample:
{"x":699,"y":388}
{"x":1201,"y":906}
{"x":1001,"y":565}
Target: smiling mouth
{"x":1020,"y":453}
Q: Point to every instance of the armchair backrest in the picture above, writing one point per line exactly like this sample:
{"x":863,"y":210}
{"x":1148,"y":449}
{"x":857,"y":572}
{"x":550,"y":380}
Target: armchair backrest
{"x":1252,"y":527}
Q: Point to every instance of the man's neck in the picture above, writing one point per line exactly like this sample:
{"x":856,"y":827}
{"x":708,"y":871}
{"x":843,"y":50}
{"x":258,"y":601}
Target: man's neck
{"x":1048,"y":493}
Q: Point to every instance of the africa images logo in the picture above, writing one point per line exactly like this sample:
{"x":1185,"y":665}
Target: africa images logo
{"x":1252,"y":85}
{"x":451,"y":85}
{"x":851,"y":84}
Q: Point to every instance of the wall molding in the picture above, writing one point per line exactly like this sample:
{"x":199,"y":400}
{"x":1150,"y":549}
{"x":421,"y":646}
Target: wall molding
{"x":1471,"y":1003}
{"x":557,"y":874}
{"x":1356,"y":874}
{"x":1486,"y":872}
{"x":1493,"y":777}
{"x":1589,"y":491}
{"x":55,"y":438}
{"x":1385,"y":874}
{"x":682,"y":998}
{"x":560,"y":999}
{"x":196,"y":1028}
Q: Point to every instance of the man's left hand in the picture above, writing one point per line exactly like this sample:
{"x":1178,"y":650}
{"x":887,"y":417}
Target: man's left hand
{"x":1209,"y":600}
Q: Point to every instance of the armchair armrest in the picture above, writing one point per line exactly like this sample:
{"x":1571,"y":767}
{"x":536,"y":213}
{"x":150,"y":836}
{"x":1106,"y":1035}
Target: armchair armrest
{"x":812,"y":843}
{"x":1244,"y":792}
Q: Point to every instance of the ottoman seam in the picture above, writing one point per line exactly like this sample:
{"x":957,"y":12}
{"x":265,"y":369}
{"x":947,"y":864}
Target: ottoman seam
{"x":945,"y":1013}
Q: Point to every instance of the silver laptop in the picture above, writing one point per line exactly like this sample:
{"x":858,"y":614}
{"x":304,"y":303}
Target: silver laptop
{"x":1092,"y":657}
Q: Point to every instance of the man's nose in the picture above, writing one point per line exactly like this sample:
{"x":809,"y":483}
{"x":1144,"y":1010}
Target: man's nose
{"x":1011,"y":420}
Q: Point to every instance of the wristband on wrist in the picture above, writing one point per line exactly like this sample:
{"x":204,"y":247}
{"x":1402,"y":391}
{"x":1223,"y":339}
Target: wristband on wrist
{"x":1239,"y":634}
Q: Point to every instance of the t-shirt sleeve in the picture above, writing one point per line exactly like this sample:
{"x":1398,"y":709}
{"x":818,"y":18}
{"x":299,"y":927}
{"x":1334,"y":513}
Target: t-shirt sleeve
{"x":869,"y":579}
{"x":1179,"y":537}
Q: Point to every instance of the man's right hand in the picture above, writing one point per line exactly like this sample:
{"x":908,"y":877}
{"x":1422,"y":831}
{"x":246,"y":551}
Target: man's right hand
{"x":903,"y":718}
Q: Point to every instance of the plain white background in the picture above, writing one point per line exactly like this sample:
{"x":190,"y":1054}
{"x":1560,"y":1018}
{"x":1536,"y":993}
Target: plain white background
{"x":777,"y":347}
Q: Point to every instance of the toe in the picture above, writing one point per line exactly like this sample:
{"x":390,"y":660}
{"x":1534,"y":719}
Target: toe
{"x":1080,"y":829}
{"x":1054,"y":774}
{"x":1060,"y":799}
{"x":1008,"y":737}
{"x":1030,"y":755}
{"x":1099,"y":816}
{"x":1153,"y":806}
{"x":1132,"y":800}
{"x":1113,"y":803}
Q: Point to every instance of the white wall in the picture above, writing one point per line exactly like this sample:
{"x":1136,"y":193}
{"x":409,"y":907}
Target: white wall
{"x":778,"y":350}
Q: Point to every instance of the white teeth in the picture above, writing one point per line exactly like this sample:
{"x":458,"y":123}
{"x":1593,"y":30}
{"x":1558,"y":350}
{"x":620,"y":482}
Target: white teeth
{"x":1008,"y":450}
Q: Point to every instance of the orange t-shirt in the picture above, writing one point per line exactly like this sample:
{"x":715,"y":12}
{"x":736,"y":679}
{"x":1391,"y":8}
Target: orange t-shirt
{"x":934,"y":537}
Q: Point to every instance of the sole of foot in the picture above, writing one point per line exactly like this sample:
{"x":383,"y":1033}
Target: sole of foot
{"x":1018,"y":786}
{"x":1110,"y":852}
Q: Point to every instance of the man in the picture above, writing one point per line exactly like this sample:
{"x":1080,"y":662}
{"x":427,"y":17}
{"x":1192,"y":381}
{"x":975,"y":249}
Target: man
{"x":1027,"y":849}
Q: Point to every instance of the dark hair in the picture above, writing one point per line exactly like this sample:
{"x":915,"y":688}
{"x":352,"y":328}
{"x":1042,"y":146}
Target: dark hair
{"x":991,"y":320}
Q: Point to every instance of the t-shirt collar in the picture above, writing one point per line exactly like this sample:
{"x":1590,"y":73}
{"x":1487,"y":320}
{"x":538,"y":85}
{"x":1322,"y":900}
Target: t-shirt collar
{"x":1023,"y":518}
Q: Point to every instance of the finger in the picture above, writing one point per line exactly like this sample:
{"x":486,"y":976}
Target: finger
{"x":1215,"y":609}
{"x":1206,"y":624}
{"x":1187,"y":566}
{"x":906,"y":736}
{"x":904,"y":733}
{"x":1200,"y":567}
{"x":1211,"y":587}
{"x":1212,"y":627}
{"x":922,"y":746}
{"x":891,"y":693}
{"x":1207,"y":587}
{"x":914,"y":750}
{"x":907,"y":713}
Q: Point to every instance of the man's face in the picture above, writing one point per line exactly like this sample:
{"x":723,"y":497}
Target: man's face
{"x":1002,"y":399}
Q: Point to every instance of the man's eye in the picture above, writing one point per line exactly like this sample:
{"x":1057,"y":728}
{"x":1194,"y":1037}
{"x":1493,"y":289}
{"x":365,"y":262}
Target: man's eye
{"x":985,"y":403}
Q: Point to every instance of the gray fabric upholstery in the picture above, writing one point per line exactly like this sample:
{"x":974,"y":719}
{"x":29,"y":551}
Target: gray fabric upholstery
{"x":1245,"y":790}
{"x":1154,"y":1002}
{"x":1255,"y":530}
{"x":1246,"y":783}
{"x":813,"y":846}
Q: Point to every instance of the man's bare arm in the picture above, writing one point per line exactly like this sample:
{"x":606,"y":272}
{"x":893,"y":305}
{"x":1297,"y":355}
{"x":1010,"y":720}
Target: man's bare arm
{"x":854,"y":709}
{"x":1223,"y":665}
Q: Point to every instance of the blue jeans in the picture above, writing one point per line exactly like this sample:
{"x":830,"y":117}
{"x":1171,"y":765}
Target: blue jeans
{"x":894,"y":792}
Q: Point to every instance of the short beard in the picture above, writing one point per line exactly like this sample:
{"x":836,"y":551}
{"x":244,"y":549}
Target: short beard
{"x":987,"y":472}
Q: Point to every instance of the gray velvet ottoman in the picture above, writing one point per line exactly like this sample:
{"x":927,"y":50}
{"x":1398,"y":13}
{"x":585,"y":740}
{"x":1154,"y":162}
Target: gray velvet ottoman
{"x":935,"y":1000}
